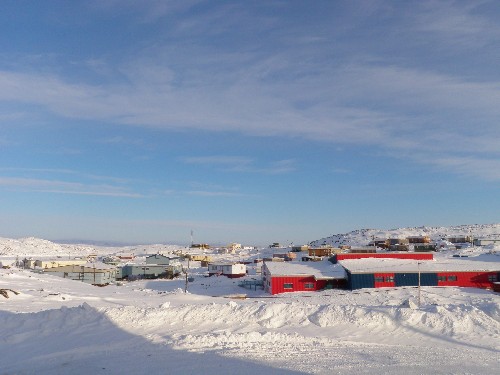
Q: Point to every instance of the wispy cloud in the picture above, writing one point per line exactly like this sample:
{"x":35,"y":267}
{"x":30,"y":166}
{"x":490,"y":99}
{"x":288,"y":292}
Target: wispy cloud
{"x":65,"y":187}
{"x":480,"y":168}
{"x":74,"y":173}
{"x":456,"y":22}
{"x":218,"y":160}
{"x":243,"y":164}
{"x":214,"y":193}
{"x":119,"y":140}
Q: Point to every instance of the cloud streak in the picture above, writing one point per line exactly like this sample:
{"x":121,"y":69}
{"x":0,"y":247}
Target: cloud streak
{"x":242,"y":164}
{"x":64,"y":187}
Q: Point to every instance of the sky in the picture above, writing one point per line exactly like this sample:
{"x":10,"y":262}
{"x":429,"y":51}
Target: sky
{"x":246,"y":121}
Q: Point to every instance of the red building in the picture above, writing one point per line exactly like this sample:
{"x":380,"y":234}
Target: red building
{"x":377,"y":273}
{"x":283,"y":277}
{"x":392,"y":255}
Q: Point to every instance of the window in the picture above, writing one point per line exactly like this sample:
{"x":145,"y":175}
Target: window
{"x":452,"y":278}
{"x":309,"y":285}
{"x":389,"y":279}
{"x":288,"y":286}
{"x":379,"y":279}
{"x":441,"y":278}
{"x":492,"y":278}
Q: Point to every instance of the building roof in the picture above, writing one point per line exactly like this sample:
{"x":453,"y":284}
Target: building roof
{"x":320,"y":270}
{"x":382,"y":265}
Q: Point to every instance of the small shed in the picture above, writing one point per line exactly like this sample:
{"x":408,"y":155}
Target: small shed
{"x":231,"y":270}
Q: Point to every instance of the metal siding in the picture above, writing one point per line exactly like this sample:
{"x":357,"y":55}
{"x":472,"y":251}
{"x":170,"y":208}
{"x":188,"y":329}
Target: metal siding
{"x":411,"y":279}
{"x":361,"y":280}
{"x":406,"y":279}
{"x":428,"y":279}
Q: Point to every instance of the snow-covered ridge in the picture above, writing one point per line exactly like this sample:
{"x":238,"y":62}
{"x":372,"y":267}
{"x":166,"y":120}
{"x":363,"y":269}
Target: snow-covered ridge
{"x":31,"y":246}
{"x":362,"y":237}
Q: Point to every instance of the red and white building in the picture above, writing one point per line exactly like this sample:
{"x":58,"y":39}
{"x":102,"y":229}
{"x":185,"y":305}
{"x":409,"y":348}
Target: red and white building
{"x":231,"y":270}
{"x":282,"y":277}
{"x":377,"y":273}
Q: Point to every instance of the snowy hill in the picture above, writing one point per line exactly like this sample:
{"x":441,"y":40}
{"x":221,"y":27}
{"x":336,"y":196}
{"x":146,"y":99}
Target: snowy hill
{"x":36,"y":247}
{"x":362,"y":237}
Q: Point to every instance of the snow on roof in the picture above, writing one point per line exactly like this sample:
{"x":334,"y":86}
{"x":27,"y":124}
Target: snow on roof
{"x":370,"y":265}
{"x":320,"y":270}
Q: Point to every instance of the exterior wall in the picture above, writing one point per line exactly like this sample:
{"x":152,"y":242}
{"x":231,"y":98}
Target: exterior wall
{"x":229,"y":270}
{"x":284,"y":284}
{"x":418,"y":256}
{"x":146,"y":271}
{"x":200,"y":257}
{"x":323,"y":251}
{"x":360,"y":280}
{"x":460,"y":279}
{"x":411,"y":279}
{"x":59,"y":263}
{"x":300,"y":248}
{"x":88,"y":276}
{"x":468,"y":279}
{"x":486,"y":241}
{"x":397,"y":241}
{"x":496,"y":287}
{"x":160,"y":259}
{"x":419,"y":239}
{"x":459,"y":239}
{"x":382,"y":280}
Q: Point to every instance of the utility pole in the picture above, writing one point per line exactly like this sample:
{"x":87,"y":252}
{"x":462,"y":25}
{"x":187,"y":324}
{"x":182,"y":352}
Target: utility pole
{"x":418,"y":265}
{"x":186,"y":274}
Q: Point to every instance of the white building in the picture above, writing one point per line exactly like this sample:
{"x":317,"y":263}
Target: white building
{"x":162,"y":259}
{"x":231,"y":270}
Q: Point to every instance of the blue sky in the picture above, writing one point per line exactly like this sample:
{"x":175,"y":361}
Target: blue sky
{"x":246,"y":121}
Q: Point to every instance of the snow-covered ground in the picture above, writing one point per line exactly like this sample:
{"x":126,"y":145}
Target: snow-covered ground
{"x":59,"y":326}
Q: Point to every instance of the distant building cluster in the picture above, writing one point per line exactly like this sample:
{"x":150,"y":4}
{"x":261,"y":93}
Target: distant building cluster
{"x":382,"y":263}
